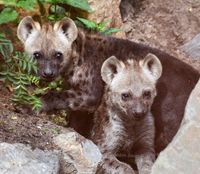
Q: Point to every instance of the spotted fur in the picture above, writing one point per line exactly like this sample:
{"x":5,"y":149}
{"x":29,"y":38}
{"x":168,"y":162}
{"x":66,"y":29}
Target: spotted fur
{"x":82,"y":56}
{"x":123,"y":121}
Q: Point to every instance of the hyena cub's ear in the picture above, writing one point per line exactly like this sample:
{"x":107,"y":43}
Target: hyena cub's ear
{"x":151,"y":66}
{"x":26,"y":27}
{"x":110,"y":68}
{"x":68,"y":28}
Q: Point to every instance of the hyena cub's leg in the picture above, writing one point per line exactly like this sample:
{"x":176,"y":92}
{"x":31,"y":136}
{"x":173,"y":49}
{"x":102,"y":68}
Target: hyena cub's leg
{"x":145,"y":157}
{"x":111,"y":165}
{"x":108,"y":137}
{"x":69,"y":99}
{"x":145,"y":162}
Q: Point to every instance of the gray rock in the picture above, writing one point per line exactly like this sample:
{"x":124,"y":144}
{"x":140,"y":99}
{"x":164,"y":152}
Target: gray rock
{"x":21,"y":159}
{"x":182,"y":156}
{"x":192,"y":48}
{"x":73,"y":154}
{"x":80,"y":154}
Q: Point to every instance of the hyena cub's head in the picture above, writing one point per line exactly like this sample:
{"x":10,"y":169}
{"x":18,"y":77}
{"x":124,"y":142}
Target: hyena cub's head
{"x":131,"y":85}
{"x":50,"y":45}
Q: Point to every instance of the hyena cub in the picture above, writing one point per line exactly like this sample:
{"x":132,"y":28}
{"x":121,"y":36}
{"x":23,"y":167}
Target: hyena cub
{"x":123,"y":122}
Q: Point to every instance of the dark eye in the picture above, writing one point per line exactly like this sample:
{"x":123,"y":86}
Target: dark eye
{"x":37,"y":55}
{"x":147,"y":94}
{"x":125,"y":96}
{"x":58,"y":55}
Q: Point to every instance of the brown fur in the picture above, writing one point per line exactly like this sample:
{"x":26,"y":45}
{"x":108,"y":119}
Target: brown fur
{"x":126,"y":124}
{"x":85,"y":56}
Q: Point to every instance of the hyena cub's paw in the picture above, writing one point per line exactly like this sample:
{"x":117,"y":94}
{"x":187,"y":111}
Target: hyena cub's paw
{"x":48,"y":101}
{"x":145,"y":171}
{"x":24,"y":109}
{"x":124,"y":168}
{"x":114,"y":167}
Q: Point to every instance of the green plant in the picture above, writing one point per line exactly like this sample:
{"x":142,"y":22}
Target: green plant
{"x":18,"y":73}
{"x":11,"y":9}
{"x":101,"y":27}
{"x":49,"y":9}
{"x":60,"y":8}
{"x":18,"y":70}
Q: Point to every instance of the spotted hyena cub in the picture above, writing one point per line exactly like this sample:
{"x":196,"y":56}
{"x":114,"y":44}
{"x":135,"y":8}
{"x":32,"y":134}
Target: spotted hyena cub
{"x":64,"y":50}
{"x":123,"y":122}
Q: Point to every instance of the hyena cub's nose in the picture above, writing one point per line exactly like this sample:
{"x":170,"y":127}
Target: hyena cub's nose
{"x":48,"y":74}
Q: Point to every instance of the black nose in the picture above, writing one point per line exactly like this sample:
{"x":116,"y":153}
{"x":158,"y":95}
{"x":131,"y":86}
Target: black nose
{"x":48,"y":74}
{"x":139,"y":115}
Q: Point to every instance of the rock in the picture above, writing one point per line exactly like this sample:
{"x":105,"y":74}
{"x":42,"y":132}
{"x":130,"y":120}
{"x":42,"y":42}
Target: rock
{"x":192,"y":48}
{"x":56,"y":147}
{"x":78,"y":152}
{"x":72,"y":154}
{"x":21,"y":159}
{"x":107,"y":10}
{"x":182,"y":156}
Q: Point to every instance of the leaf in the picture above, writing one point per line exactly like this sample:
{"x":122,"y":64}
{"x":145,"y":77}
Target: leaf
{"x":38,"y":91}
{"x":101,"y":26}
{"x":35,"y":102}
{"x":57,"y":9}
{"x":53,"y":85}
{"x":8,"y":2}
{"x":27,"y":5}
{"x":8,"y":15}
{"x":6,"y":47}
{"x":110,"y":31}
{"x":88,"y":24}
{"x":81,"y":4}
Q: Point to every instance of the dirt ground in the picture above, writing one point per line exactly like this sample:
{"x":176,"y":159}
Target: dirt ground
{"x":166,"y":25}
{"x":16,"y":127}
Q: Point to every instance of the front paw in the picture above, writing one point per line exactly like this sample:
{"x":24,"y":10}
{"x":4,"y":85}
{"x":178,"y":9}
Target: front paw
{"x":48,"y":102}
{"x":146,"y":170}
{"x":125,"y":168}
{"x":114,"y":168}
{"x":24,"y":109}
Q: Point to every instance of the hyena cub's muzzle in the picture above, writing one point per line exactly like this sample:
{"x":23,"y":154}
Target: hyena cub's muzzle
{"x":48,"y":69}
{"x":136,"y":110}
{"x":132,"y":84}
{"x":50,"y":45}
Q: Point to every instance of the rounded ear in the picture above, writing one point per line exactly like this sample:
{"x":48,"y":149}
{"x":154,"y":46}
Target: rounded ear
{"x":67,"y":27}
{"x":151,"y":66}
{"x":110,"y":68}
{"x":26,"y":27}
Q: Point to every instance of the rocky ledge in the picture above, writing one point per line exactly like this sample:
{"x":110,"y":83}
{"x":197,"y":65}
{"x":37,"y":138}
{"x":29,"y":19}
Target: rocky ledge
{"x":72,"y":154}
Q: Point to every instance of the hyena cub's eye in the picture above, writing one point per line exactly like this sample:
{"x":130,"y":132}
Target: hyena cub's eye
{"x":125,"y":96}
{"x":147,"y":94}
{"x":37,"y":55}
{"x":58,"y":55}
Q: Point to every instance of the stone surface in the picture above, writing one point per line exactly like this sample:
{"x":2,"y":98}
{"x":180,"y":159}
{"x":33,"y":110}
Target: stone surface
{"x":78,"y":152}
{"x":72,"y":154}
{"x":21,"y":159}
{"x":182,"y":156}
{"x":192,"y":47}
{"x":107,"y":10}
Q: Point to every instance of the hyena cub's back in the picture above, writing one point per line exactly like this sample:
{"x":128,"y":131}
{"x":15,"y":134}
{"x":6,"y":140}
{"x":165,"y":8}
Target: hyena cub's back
{"x":123,"y":121}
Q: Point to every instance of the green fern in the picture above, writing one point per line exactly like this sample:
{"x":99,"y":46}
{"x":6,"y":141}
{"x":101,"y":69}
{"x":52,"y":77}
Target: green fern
{"x":6,"y":47}
{"x":19,"y":73}
{"x":101,"y":27}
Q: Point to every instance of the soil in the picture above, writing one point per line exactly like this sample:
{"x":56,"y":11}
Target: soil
{"x":166,"y":25}
{"x":16,"y":127}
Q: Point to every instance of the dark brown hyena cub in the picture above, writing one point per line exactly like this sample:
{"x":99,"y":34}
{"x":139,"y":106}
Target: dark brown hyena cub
{"x":123,"y":121}
{"x":76,"y":55}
